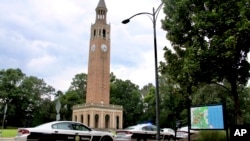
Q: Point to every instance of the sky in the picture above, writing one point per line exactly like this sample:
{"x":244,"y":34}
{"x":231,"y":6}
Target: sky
{"x":49,"y":39}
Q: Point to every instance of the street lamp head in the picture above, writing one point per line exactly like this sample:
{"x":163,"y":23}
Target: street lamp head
{"x":126,"y":21}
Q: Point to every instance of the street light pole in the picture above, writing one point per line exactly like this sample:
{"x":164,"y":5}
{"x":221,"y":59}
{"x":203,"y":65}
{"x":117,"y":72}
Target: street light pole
{"x":154,"y":18}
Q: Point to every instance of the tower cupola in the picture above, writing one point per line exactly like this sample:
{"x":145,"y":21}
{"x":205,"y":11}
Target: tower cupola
{"x":101,"y":12}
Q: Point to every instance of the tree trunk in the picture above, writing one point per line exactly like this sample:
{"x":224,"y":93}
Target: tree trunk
{"x":237,"y":110}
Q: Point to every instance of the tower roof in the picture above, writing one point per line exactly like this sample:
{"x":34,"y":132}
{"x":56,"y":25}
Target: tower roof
{"x":102,"y":5}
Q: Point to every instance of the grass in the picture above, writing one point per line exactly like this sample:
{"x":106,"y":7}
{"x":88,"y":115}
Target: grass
{"x":212,"y":135}
{"x":8,"y":133}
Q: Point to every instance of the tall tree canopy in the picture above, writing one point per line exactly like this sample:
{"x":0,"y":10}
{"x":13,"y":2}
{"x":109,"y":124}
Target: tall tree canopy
{"x":127,"y":94}
{"x":24,"y":95}
{"x":76,"y":94}
{"x":210,"y":41}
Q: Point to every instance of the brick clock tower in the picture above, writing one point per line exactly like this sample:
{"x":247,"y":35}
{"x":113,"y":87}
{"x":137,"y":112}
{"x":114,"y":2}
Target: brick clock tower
{"x":97,"y":112}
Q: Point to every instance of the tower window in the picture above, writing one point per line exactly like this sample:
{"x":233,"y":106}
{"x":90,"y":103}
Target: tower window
{"x":104,"y":33}
{"x":81,"y":118}
{"x":101,"y":14}
{"x":94,"y":33}
{"x":88,"y":120}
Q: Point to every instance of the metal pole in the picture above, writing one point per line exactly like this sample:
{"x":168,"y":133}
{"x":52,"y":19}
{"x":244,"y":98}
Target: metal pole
{"x":189,"y":116}
{"x":156,"y":78}
{"x":154,"y":17}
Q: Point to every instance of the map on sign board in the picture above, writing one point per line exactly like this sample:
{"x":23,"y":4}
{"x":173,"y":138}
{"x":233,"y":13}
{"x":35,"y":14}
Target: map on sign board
{"x":207,"y":117}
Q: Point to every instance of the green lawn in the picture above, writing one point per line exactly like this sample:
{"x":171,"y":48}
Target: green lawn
{"x":8,"y":133}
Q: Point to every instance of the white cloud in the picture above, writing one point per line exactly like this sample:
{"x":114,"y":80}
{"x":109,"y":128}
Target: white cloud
{"x":63,"y":79}
{"x":50,"y":39}
{"x":40,"y":64}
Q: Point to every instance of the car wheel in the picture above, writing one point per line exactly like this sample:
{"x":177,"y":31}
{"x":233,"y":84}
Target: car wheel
{"x":106,"y":138}
{"x":171,"y":138}
{"x":42,"y":139}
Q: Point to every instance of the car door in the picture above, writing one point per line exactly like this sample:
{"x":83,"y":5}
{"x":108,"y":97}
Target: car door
{"x":68,"y":131}
{"x":150,"y":131}
{"x":83,"y":132}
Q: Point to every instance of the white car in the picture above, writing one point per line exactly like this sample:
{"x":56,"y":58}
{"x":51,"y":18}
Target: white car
{"x":145,"y":131}
{"x":171,"y":133}
{"x":183,"y":132}
{"x":136,"y":131}
{"x":62,"y":131}
{"x":185,"y":129}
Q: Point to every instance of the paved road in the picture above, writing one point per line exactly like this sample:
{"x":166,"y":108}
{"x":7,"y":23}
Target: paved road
{"x":12,"y":139}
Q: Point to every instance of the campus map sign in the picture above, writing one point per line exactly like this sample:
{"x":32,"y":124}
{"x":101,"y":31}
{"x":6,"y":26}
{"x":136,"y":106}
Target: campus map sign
{"x":207,"y":117}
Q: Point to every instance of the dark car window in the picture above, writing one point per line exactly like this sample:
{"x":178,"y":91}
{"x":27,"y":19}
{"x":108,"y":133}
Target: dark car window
{"x":65,"y":126}
{"x":154,"y":128}
{"x":146,"y":128}
{"x":70,"y":126}
{"x":80,"y":127}
{"x":149,"y":128}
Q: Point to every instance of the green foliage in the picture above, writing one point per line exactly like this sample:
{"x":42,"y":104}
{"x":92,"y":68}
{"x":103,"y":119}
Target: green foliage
{"x":146,"y":89}
{"x":79,"y":85}
{"x":68,"y":100}
{"x":210,"y":41}
{"x":21,"y":91}
{"x":45,"y":112}
{"x":24,"y":96}
{"x":245,"y":101}
{"x":76,"y":94}
{"x":127,"y":94}
{"x":149,"y":105}
{"x":172,"y":102}
{"x":212,"y":135}
{"x":10,"y":81}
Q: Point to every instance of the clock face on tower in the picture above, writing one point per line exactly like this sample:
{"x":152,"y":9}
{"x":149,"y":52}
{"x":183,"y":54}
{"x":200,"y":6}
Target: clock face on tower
{"x":104,"y":47}
{"x":93,"y":47}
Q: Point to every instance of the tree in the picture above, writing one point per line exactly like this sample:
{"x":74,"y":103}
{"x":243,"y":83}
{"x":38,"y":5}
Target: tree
{"x":127,"y":94}
{"x":23,"y":94}
{"x":211,"y":38}
{"x":76,"y":94}
{"x":68,"y":100}
{"x":149,"y":103}
{"x":173,"y":103}
{"x":10,"y":92}
{"x":146,"y":89}
{"x":79,"y":85}
{"x":10,"y":81}
{"x":45,"y":112}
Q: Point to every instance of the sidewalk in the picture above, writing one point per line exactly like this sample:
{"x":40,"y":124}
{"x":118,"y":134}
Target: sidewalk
{"x":6,"y":139}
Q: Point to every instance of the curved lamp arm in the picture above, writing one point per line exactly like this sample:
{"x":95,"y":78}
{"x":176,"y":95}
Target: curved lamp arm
{"x":141,"y":13}
{"x":154,"y":14}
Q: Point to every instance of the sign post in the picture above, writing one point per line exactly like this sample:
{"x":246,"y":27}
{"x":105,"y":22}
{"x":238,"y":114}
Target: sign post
{"x":58,"y":107}
{"x":4,"y":115}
